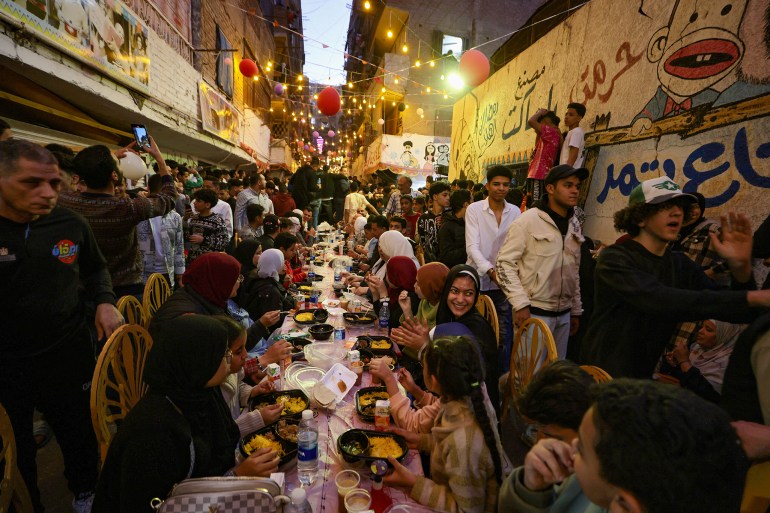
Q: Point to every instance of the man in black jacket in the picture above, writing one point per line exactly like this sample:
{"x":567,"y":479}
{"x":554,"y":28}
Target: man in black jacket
{"x":48,"y":255}
{"x":304,"y":184}
{"x":643,"y":288}
{"x":451,"y":235}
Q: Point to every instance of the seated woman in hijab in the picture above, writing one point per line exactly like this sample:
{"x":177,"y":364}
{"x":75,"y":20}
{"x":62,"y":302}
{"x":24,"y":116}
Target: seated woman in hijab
{"x":401,"y":275}
{"x":182,"y":428}
{"x":391,"y":244}
{"x":701,"y":368}
{"x":430,"y":283}
{"x":262,"y":293}
{"x":209,"y":282}
{"x":458,"y":304}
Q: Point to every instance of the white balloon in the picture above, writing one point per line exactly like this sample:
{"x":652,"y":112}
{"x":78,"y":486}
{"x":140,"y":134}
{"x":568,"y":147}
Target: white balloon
{"x":381,"y":121}
{"x":420,"y":111}
{"x":132,"y":166}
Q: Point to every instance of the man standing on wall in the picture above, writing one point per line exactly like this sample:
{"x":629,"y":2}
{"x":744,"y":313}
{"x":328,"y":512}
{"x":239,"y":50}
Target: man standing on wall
{"x":574,"y":142}
{"x":539,"y":260}
{"x":486,"y":224}
{"x":546,"y":125}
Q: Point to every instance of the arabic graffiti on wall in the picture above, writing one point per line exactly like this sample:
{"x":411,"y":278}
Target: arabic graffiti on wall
{"x":676,"y":88}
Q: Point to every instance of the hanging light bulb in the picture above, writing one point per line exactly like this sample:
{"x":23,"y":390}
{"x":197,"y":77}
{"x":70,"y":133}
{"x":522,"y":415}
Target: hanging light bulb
{"x":432,"y":64}
{"x":384,"y":89}
{"x":350,"y":85}
{"x":417,"y":63}
{"x":390,"y":34}
{"x":256,"y":78}
{"x":446,"y":96}
{"x":315,"y":96}
{"x":299,"y":88}
{"x":395,"y":81}
{"x":367,"y":5}
{"x":442,"y":76}
{"x":299,"y":78}
{"x":405,"y":48}
{"x":427,"y":89}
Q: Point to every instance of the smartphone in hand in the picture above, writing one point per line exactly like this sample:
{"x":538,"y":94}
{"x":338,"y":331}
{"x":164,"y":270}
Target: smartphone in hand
{"x":141,"y":136}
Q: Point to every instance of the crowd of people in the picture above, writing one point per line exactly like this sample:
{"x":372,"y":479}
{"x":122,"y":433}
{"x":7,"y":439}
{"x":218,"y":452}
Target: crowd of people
{"x":671,"y":310}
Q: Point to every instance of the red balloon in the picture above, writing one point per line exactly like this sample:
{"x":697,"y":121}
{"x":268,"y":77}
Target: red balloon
{"x":329,"y":101}
{"x":474,"y":67}
{"x":248,"y":68}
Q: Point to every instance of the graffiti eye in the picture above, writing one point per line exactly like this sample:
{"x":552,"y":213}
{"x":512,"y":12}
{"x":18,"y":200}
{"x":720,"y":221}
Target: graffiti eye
{"x":726,"y":9}
{"x":693,"y":17}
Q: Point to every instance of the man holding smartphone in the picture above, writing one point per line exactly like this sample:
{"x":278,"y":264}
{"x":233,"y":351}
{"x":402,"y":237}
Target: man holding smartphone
{"x":112,"y":219}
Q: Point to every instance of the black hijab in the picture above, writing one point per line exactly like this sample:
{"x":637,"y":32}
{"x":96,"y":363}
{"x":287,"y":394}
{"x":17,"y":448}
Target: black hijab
{"x":473,"y":320}
{"x":687,"y":230}
{"x":244,"y":253}
{"x":182,"y":360}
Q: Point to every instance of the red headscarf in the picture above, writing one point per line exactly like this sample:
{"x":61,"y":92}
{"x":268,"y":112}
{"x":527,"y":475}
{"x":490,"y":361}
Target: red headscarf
{"x":431,"y":278}
{"x":402,"y":275}
{"x":213,"y":276}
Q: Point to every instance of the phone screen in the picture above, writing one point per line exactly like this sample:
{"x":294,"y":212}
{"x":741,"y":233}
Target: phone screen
{"x":142,"y":139}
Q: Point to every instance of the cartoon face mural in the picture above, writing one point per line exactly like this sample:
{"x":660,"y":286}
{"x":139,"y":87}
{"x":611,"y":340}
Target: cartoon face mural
{"x":699,"y":47}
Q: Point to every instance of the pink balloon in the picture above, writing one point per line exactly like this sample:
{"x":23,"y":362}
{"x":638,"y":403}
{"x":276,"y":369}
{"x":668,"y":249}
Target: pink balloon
{"x":331,"y":133}
{"x":474,"y":67}
{"x":278,"y":89}
{"x":315,"y":135}
{"x":228,"y":61}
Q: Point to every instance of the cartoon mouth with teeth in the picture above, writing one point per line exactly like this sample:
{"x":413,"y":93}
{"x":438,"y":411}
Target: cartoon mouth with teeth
{"x":703,"y":59}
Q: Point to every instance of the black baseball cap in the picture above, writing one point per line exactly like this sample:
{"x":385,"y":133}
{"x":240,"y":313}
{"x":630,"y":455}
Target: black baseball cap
{"x":565,"y":171}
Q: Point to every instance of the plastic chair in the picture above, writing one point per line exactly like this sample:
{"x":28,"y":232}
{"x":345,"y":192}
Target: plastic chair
{"x":13,"y":491}
{"x":486,"y":308}
{"x":118,"y":382}
{"x":600,"y":375}
{"x":156,"y":292}
{"x":132,"y":311}
{"x":528,"y":355}
{"x":756,"y":492}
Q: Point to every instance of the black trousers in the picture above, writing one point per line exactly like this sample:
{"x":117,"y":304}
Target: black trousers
{"x":339,"y":209}
{"x":58,"y":384}
{"x":326,"y":212}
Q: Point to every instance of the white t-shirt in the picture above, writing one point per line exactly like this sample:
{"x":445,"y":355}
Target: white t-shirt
{"x":575,"y":139}
{"x":353,"y":202}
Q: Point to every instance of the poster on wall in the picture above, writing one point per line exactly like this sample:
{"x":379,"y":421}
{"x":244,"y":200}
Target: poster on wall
{"x":219,"y":116}
{"x":178,"y":13}
{"x":415,"y":154}
{"x":107,"y":35}
{"x":680,"y":89}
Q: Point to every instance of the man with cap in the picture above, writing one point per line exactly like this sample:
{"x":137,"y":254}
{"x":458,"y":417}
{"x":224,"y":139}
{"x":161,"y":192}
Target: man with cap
{"x":537,"y":267}
{"x":643,"y":288}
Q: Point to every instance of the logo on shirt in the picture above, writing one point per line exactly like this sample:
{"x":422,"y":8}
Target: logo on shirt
{"x":66,"y":251}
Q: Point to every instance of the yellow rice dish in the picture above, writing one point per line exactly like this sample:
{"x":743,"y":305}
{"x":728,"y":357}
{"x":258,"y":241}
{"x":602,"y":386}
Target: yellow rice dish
{"x":291,"y":405}
{"x":258,"y":442}
{"x":382,"y":447}
{"x":304,"y":317}
{"x":380,"y":344}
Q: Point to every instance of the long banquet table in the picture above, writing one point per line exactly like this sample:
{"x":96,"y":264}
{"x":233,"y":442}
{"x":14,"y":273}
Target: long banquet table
{"x":322,"y":494}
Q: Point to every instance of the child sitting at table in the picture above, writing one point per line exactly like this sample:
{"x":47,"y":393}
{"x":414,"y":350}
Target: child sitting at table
{"x":237,"y":393}
{"x":466,"y":458}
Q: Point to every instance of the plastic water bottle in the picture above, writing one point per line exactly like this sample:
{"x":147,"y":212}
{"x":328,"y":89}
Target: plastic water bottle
{"x":307,"y":453}
{"x":299,"y":502}
{"x":384,"y":315}
{"x":337,"y":271}
{"x":311,"y":271}
{"x":339,"y":329}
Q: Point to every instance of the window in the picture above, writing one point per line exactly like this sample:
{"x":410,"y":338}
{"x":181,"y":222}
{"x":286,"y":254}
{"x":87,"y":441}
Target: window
{"x":453,"y":44}
{"x":224,"y":64}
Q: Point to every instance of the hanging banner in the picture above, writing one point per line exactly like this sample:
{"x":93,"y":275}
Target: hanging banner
{"x":105,"y":35}
{"x":415,"y":154}
{"x":219,"y":116}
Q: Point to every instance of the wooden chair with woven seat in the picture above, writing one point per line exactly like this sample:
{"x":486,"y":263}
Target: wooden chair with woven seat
{"x":156,"y":292}
{"x":600,"y":375}
{"x":528,"y":355}
{"x":756,"y":492}
{"x":132,"y":311}
{"x":486,"y":308}
{"x":13,"y":491}
{"x":118,"y":382}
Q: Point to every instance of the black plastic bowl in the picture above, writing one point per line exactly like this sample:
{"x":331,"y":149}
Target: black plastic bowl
{"x":352,"y":435}
{"x":321,"y":331}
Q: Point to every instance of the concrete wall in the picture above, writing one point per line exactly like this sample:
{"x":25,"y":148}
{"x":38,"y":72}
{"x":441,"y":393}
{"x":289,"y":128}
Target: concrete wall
{"x":682,"y":89}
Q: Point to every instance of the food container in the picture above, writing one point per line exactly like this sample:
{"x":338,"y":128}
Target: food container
{"x":288,"y":449}
{"x":366,"y":399}
{"x":339,"y":380}
{"x":359,"y":318}
{"x":311,"y":316}
{"x":321,"y":331}
{"x":352,"y":439}
{"x":375,"y":343}
{"x":282,"y":397}
{"x":324,"y":354}
{"x":298,"y":347}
